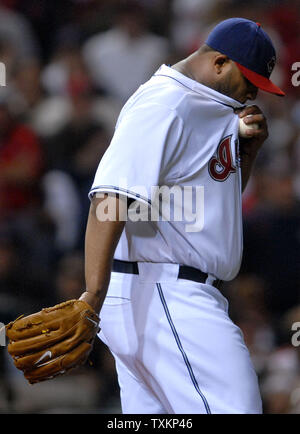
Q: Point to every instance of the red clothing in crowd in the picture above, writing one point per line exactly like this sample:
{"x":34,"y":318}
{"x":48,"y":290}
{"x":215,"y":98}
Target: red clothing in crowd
{"x":20,"y":168}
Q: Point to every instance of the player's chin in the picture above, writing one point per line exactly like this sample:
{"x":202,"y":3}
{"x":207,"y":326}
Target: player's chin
{"x":242,"y":99}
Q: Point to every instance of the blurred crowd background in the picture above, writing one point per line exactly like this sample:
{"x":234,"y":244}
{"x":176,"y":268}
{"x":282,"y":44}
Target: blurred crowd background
{"x":70,"y":66}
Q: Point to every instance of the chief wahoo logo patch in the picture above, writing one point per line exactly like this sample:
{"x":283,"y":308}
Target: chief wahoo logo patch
{"x":221,"y":165}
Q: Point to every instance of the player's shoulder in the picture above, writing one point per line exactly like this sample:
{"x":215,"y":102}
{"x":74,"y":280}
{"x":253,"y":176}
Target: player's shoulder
{"x":186,"y":95}
{"x":157,"y":94}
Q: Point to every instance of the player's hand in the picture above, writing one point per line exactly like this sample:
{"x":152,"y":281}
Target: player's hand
{"x":251,"y":145}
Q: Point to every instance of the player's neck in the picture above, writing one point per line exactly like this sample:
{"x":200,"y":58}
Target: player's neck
{"x":184,"y":68}
{"x":193,"y":67}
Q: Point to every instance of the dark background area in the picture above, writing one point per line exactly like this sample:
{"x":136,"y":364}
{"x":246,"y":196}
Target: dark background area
{"x":70,"y":67}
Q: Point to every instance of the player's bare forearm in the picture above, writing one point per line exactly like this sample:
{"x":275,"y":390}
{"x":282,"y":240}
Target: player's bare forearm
{"x":100,"y":243}
{"x":249,"y":147}
{"x":247,"y":162}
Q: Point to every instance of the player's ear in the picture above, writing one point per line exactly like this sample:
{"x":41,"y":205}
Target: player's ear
{"x":220,"y":61}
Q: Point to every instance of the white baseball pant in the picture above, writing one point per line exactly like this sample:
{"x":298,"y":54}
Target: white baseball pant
{"x":176,"y":349}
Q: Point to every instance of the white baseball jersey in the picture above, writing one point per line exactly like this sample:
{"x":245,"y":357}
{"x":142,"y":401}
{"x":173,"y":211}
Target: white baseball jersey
{"x":177,"y":132}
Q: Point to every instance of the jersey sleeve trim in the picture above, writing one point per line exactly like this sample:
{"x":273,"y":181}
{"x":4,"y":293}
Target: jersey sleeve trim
{"x":118,"y":190}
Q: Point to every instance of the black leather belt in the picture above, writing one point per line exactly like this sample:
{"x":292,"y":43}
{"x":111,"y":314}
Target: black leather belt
{"x":185,"y":272}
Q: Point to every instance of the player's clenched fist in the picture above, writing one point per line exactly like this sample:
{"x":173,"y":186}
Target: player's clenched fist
{"x":50,"y":342}
{"x":252,"y":115}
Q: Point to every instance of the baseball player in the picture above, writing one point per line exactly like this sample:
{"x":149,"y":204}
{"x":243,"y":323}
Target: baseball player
{"x":156,"y":282}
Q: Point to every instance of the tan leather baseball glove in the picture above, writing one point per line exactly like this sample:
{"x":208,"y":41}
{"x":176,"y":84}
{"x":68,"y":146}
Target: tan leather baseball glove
{"x":50,"y":342}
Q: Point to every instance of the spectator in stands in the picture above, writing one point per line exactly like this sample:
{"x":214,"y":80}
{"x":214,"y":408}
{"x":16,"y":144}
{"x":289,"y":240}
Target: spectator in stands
{"x":124,"y":57}
{"x":16,"y":27}
{"x":281,"y":381}
{"x":272,"y":243}
{"x":20,"y":162}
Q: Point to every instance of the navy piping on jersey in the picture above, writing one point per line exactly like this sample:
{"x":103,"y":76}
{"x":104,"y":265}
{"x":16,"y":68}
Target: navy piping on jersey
{"x":179,"y":344}
{"x":178,"y":81}
{"x":103,"y":189}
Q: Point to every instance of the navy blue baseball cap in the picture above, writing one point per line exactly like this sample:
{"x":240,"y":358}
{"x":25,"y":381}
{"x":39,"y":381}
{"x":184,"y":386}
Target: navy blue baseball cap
{"x":249,"y":46}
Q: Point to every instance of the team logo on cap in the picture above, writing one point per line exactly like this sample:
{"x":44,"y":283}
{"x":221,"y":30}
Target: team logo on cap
{"x":271,"y":64}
